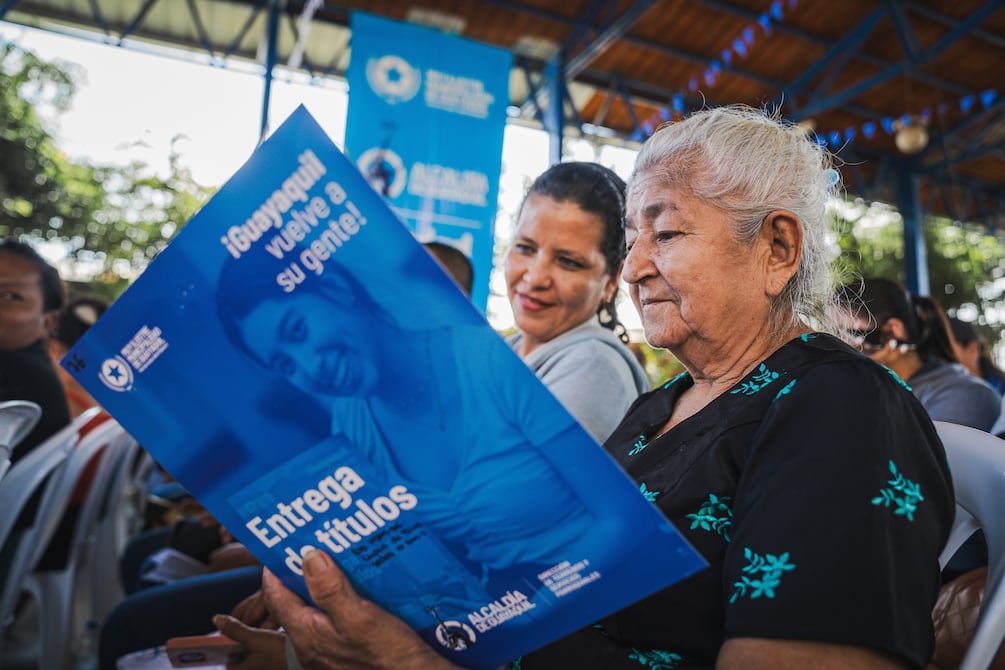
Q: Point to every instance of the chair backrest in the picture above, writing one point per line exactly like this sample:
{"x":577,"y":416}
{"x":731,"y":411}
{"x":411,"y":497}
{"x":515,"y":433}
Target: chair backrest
{"x":116,"y":517}
{"x":104,"y":443}
{"x":977,"y":463}
{"x":39,"y":469}
{"x":17,"y":418}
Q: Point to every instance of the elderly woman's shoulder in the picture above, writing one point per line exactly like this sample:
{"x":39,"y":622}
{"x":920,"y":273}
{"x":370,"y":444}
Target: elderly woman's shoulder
{"x":829,"y":355}
{"x":821,"y":368}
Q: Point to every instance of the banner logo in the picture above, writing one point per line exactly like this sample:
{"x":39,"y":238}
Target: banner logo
{"x":393,"y":79}
{"x":116,"y":374}
{"x":455,"y":635}
{"x":439,"y":101}
{"x":385,"y":171}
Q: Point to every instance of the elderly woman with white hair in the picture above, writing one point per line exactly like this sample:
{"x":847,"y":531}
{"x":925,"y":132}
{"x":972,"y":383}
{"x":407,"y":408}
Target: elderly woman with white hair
{"x":808,"y":476}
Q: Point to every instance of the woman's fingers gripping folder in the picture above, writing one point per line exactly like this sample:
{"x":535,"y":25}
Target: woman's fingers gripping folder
{"x":347,"y":631}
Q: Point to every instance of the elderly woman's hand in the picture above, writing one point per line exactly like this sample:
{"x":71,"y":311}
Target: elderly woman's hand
{"x":348,"y":631}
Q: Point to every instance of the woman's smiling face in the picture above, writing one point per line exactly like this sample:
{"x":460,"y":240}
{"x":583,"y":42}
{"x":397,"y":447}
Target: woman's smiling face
{"x":556,"y":274}
{"x":315,"y":345}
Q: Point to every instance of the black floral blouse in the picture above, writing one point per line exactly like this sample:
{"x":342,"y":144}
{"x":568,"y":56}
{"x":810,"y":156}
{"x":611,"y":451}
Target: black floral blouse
{"x":819,"y":493}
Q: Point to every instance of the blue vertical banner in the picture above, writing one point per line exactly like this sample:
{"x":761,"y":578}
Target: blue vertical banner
{"x":427,"y":111}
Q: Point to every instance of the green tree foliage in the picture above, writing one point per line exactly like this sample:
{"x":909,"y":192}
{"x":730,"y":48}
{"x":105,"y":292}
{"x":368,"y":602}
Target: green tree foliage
{"x":966,"y":263}
{"x":112,"y":220}
{"x":871,"y":241}
{"x":659,"y":364}
{"x":141,"y":212}
{"x":39,"y":189}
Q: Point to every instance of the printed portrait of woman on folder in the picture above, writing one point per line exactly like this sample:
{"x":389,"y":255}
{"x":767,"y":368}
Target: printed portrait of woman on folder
{"x":410,"y":407}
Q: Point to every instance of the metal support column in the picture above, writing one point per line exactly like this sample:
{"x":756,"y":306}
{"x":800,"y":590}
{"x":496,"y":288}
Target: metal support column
{"x":554,"y":119}
{"x":272,"y":34}
{"x":909,"y":205}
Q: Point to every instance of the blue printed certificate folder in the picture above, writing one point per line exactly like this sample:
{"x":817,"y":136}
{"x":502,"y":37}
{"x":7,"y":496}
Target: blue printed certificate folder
{"x":305,"y":368}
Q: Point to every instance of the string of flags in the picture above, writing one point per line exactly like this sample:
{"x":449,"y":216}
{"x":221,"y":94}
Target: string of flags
{"x":738,"y":48}
{"x":836,"y":139}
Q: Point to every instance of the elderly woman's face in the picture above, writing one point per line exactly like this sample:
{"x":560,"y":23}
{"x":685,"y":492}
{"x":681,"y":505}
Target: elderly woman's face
{"x":316,"y":346}
{"x":692,"y":282}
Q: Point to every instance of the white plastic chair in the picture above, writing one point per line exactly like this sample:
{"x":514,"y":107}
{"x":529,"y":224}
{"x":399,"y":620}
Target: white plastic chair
{"x":977,"y":462}
{"x":65,"y":594}
{"x":17,"y":418}
{"x":118,"y":519}
{"x":39,"y":469}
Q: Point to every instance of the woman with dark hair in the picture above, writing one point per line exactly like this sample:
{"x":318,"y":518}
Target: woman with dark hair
{"x":973,"y":354}
{"x":562,"y":272}
{"x":910,"y":335}
{"x":31,"y":295}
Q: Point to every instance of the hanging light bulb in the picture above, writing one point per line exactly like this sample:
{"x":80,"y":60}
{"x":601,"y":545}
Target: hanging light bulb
{"x":910,"y":134}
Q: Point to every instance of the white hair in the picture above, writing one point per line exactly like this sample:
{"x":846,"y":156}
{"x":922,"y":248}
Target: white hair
{"x":749,"y":164}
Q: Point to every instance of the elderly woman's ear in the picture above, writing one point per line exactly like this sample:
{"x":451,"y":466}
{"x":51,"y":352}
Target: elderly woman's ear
{"x":783,"y":234}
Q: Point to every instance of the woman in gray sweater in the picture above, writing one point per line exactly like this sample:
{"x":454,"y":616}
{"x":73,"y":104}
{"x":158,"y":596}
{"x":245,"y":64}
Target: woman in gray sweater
{"x":562,"y":272}
{"x":909,"y":335}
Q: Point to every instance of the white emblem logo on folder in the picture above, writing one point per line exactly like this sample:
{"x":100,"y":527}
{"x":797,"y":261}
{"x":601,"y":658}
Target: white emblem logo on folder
{"x":116,"y":374}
